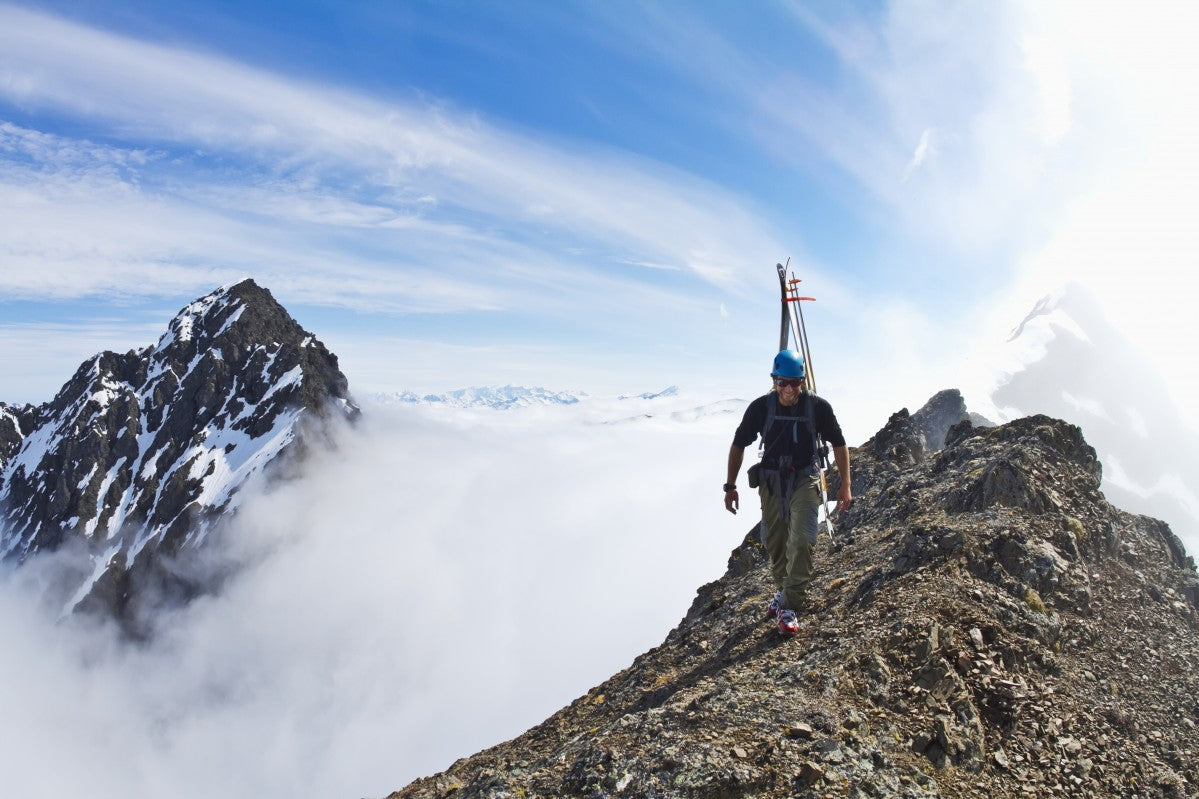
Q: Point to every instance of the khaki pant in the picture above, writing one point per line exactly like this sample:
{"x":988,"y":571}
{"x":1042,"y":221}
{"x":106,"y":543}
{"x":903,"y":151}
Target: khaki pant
{"x":790,"y":545}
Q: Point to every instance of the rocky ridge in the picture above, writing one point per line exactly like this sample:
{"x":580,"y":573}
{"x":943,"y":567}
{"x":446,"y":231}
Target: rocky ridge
{"x":141,"y":454}
{"x":984,"y":624}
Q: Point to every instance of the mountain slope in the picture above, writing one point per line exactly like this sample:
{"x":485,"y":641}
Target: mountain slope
{"x":985,"y":624}
{"x":140,"y":454}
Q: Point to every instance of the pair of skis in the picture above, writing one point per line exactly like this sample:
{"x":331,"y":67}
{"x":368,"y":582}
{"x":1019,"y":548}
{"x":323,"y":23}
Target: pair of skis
{"x":792,"y":325}
{"x":792,"y":328}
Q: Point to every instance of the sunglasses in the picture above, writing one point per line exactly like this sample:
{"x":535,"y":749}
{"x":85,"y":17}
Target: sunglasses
{"x":788,"y":383}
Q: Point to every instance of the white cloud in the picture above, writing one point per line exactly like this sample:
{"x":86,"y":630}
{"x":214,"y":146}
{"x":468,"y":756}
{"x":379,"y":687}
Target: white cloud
{"x":1088,"y":405}
{"x":1137,"y":422}
{"x":923,"y":150}
{"x":307,"y":163}
{"x":1052,"y":80}
{"x":944,"y":74}
{"x":1168,"y":485}
{"x":441,"y":583}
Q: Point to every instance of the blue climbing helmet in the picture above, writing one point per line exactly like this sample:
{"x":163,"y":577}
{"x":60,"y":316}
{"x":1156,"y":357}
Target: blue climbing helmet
{"x":788,"y":363}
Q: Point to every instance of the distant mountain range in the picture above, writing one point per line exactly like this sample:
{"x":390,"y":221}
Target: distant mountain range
{"x":140,"y":455}
{"x":505,"y":397}
{"x":499,"y":398}
{"x":672,"y":391}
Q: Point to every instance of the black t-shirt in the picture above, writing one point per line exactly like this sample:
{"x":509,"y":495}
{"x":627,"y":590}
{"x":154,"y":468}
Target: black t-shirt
{"x":787,"y":436}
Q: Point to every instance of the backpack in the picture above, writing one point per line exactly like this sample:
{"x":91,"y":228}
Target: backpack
{"x":819,"y":450}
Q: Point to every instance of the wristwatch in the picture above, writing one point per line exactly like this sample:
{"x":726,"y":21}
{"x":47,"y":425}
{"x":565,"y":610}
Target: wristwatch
{"x":730,"y":487}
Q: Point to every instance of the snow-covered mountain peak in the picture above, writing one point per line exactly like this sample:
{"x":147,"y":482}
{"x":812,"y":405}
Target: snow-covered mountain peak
{"x":670,"y":391}
{"x":140,"y":454}
{"x":1056,"y":310}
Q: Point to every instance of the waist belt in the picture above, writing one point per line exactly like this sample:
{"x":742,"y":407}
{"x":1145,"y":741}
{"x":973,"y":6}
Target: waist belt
{"x":810,"y":471}
{"x":780,"y":482}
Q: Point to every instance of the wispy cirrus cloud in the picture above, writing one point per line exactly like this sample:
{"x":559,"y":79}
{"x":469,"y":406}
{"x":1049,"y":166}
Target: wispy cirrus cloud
{"x":195,"y":160}
{"x":954,"y":76}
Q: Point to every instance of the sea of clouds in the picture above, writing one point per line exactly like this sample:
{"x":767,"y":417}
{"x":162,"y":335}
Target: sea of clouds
{"x":441,"y":581}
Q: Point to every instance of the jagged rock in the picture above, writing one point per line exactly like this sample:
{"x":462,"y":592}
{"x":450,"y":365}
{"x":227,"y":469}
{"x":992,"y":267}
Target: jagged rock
{"x":901,"y":441}
{"x":16,"y":422}
{"x":960,"y":431}
{"x":946,"y":652}
{"x":141,"y":454}
{"x":944,"y":410}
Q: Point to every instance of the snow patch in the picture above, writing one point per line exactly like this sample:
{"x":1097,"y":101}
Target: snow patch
{"x":117,"y":517}
{"x":86,"y":481}
{"x":233,"y":317}
{"x":99,"y":566}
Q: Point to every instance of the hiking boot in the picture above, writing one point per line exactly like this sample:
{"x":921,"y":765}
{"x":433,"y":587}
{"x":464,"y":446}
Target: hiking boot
{"x":788,"y":624}
{"x":772,"y":609}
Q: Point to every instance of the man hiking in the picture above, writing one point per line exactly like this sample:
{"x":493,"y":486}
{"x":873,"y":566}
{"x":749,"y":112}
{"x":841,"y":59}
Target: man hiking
{"x":789,"y":419}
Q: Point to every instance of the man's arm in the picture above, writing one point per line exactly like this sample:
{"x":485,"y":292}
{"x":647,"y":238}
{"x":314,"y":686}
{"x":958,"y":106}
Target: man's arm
{"x":844,"y":494}
{"x":736,"y":456}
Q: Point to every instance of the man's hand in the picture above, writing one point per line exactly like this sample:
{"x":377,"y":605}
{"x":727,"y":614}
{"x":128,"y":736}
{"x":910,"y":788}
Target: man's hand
{"x":844,"y":497}
{"x":731,"y":500}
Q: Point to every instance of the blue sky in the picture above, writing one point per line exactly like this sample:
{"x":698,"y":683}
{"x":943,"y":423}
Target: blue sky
{"x":593,"y":195}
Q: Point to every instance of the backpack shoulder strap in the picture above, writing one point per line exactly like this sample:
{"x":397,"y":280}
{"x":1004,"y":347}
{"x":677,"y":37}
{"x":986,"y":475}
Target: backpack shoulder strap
{"x":772,"y":404}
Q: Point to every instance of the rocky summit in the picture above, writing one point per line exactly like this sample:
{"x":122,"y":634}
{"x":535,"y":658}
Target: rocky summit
{"x":983,"y":623}
{"x":141,"y":454}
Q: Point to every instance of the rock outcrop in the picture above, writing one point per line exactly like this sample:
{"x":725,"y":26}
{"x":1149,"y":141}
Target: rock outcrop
{"x":944,"y":410}
{"x":984,"y":624}
{"x":141,"y":454}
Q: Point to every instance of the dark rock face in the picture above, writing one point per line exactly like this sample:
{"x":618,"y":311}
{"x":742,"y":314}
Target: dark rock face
{"x":907,"y":439}
{"x":944,"y":410}
{"x":901,"y":442}
{"x":15,"y":424}
{"x":984,"y":624}
{"x":141,"y":453}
